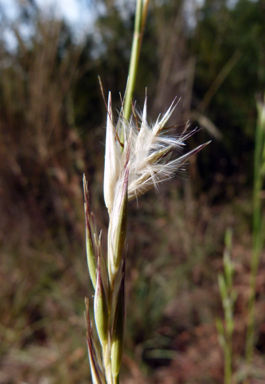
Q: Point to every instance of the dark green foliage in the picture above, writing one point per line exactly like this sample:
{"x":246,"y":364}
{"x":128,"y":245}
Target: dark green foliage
{"x":223,"y":33}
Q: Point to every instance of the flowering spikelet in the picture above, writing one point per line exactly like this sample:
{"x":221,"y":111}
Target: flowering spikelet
{"x":138,"y":156}
{"x":151,"y":148}
{"x":112,"y":160}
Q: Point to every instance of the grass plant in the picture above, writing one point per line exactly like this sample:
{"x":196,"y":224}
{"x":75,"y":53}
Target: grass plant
{"x":258,"y":224}
{"x":137,"y":158}
{"x":225,"y":281}
{"x":228,"y":296}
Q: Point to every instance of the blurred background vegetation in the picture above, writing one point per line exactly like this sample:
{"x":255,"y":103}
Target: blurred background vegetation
{"x":52,"y":130}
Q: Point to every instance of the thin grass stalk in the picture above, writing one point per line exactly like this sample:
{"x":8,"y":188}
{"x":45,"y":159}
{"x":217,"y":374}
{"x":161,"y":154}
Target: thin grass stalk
{"x":140,"y":20}
{"x":258,"y":235}
{"x":228,"y":294}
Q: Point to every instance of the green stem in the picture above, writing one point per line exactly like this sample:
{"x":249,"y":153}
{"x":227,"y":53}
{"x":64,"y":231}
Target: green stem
{"x":257,"y":231}
{"x":140,"y":18}
{"x":228,"y":364}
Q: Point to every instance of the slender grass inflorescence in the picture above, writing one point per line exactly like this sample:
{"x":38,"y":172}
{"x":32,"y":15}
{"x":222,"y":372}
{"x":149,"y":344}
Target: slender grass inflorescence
{"x":138,"y":156}
{"x":133,"y":165}
{"x":228,"y":295}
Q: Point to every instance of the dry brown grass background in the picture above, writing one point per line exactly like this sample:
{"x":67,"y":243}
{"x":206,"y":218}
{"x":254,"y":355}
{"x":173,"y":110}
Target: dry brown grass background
{"x":175,"y":237}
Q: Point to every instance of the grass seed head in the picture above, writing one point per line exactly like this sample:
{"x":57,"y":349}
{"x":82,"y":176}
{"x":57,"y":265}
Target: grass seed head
{"x":150,"y":155}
